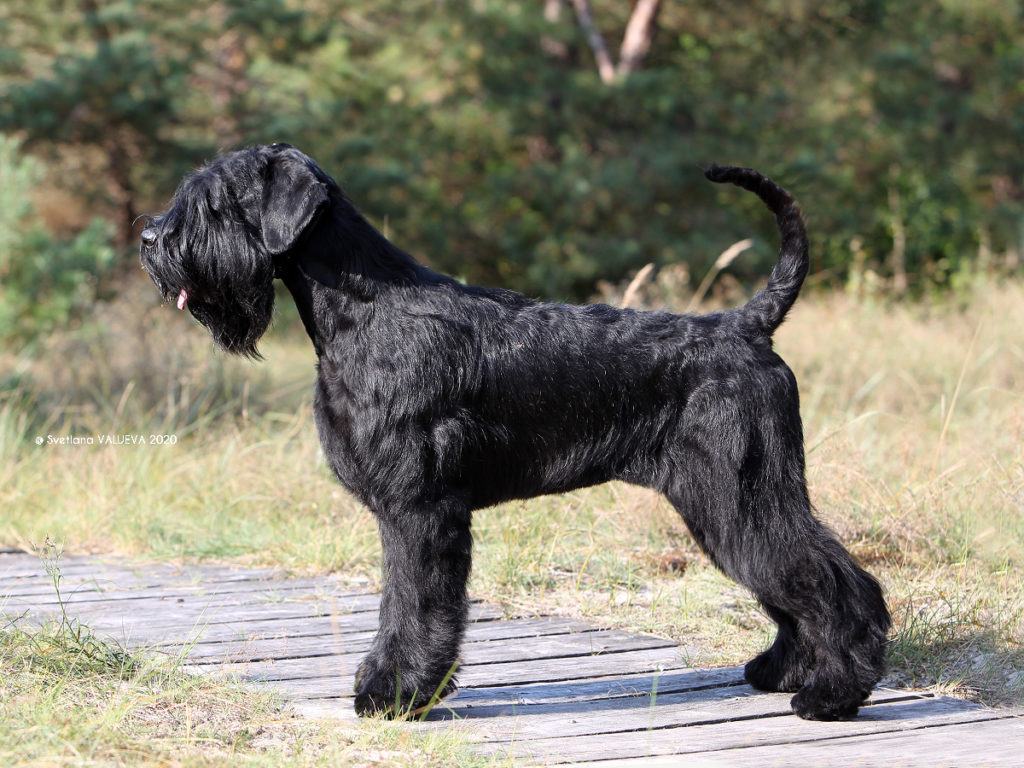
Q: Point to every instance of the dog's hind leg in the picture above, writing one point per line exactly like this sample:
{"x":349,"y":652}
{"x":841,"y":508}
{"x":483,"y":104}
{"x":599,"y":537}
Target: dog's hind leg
{"x":423,"y":609}
{"x":756,"y":525}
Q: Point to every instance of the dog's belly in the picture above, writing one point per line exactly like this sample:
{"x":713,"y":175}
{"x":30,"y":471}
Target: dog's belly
{"x":535,"y":455}
{"x":478,"y":460}
{"x":498,"y":477}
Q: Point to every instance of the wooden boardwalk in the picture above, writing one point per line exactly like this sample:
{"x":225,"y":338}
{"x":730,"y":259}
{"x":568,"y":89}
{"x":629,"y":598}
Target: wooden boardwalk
{"x":544,"y":690}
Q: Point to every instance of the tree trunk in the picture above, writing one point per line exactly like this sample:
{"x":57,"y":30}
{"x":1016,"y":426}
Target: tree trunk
{"x":635,"y":43}
{"x":605,"y":66}
{"x":637,"y":40}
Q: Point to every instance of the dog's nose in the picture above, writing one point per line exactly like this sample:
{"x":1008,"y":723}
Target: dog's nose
{"x":149,"y":236}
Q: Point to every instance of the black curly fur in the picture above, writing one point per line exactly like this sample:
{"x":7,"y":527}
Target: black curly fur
{"x":434,"y":399}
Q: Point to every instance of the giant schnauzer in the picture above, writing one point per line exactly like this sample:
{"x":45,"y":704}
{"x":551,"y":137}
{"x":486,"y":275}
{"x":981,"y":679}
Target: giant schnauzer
{"x":434,"y":399}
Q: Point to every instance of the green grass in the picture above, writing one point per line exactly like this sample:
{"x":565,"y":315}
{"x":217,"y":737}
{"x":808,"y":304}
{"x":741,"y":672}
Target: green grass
{"x":913,"y":414}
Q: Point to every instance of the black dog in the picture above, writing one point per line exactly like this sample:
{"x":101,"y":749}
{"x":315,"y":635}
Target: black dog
{"x":434,"y":399}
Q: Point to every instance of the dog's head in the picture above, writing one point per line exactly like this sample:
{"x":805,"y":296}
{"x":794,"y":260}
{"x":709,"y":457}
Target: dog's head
{"x":228,"y":230}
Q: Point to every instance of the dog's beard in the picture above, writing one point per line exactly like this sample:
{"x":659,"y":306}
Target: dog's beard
{"x":236,"y":320}
{"x":235,"y":326}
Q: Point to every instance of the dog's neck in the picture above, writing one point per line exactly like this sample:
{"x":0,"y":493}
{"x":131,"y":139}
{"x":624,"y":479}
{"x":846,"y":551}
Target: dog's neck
{"x":341,"y":267}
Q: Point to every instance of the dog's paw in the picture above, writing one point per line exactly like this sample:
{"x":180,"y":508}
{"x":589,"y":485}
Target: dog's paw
{"x":821,"y":702}
{"x":379,"y":691}
{"x":375,"y":697}
{"x":775,"y":670}
{"x":389,"y":692}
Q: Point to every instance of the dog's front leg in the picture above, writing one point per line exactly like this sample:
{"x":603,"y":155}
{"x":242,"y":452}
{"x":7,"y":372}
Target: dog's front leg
{"x":427,"y":554}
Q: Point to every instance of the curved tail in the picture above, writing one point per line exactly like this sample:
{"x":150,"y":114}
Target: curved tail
{"x":769,"y":306}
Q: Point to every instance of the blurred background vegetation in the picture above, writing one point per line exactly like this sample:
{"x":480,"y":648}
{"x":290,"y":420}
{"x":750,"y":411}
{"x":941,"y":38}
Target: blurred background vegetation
{"x":485,"y":138}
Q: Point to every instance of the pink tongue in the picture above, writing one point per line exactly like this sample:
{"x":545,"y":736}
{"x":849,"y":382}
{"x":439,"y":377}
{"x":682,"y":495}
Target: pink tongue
{"x":182,"y":298}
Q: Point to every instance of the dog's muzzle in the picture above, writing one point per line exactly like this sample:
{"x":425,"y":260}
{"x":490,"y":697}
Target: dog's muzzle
{"x":149,"y":238}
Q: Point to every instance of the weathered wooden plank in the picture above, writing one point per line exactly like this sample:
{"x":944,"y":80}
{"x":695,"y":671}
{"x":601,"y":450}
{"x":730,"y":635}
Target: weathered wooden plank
{"x":211,"y":573}
{"x":30,"y":587}
{"x":169,"y":632}
{"x":32,"y":565}
{"x":486,"y":675}
{"x":160,"y":574}
{"x":39,"y":579}
{"x":586,"y":689}
{"x":300,"y":655}
{"x":703,"y":736}
{"x":72,"y":567}
{"x":185,"y":611}
{"x":128,"y":587}
{"x":578,"y":692}
{"x":545,"y":658}
{"x":138,"y":629}
{"x":996,"y":743}
{"x":119,"y":586}
{"x":100,"y":591}
{"x":178,"y":616}
{"x":566,"y":647}
{"x":308,"y":664}
{"x":204,"y":616}
{"x":611,"y":716}
{"x":169,"y":636}
{"x":990,"y":743}
{"x":266,"y":649}
{"x":580,"y":718}
{"x":244,"y":631}
{"x":290,"y":645}
{"x":229,"y":607}
{"x":544,"y":670}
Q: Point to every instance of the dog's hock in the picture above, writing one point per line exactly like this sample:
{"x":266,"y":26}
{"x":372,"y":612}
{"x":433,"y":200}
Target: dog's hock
{"x":292,"y":198}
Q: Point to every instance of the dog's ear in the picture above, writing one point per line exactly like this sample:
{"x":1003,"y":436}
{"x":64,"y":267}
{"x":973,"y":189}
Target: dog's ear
{"x":292,"y":198}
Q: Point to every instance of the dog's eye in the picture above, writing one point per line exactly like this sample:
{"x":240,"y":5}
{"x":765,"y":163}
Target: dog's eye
{"x":149,"y":237}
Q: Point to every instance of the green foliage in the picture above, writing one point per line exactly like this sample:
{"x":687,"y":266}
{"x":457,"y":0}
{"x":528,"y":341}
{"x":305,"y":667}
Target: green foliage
{"x":493,"y":158}
{"x":45,"y":280}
